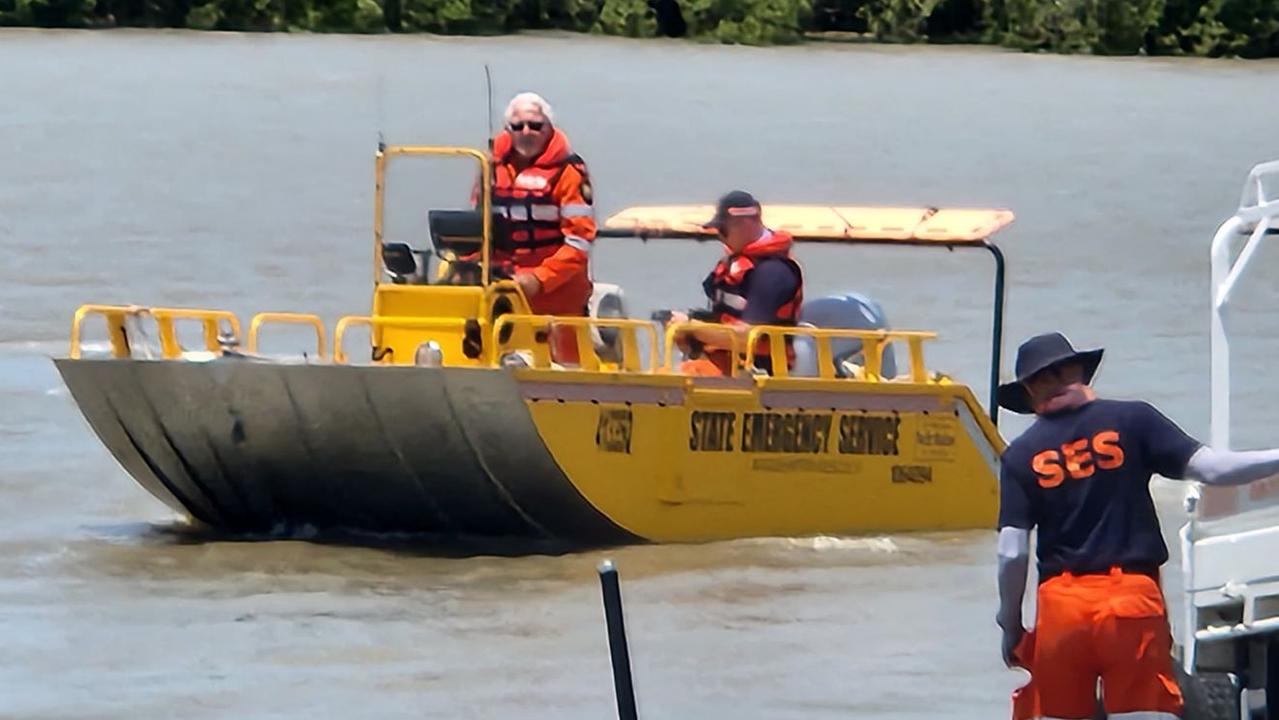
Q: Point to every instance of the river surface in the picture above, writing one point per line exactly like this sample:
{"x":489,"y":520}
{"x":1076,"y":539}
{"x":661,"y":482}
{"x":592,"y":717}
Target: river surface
{"x":235,"y":171}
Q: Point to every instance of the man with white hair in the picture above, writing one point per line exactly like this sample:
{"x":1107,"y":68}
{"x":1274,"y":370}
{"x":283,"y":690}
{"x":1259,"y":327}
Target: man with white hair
{"x":543,"y":198}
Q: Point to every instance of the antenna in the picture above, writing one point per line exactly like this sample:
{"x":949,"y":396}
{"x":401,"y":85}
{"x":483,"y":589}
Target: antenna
{"x":488,"y":83}
{"x":381,"y":110}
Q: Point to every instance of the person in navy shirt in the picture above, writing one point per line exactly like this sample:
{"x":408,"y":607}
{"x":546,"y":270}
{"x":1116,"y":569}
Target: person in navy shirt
{"x":1080,"y":477}
{"x":757,"y":282}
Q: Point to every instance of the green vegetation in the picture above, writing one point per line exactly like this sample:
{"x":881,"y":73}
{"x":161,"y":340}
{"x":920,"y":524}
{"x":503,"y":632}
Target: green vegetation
{"x":1247,"y":28}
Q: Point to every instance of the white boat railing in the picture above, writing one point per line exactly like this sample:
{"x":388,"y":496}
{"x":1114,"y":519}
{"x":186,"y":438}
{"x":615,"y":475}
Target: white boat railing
{"x":1257,"y":217}
{"x":1212,"y":571}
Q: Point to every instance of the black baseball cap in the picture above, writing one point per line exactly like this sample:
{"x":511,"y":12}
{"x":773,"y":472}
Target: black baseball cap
{"x":737,"y":203}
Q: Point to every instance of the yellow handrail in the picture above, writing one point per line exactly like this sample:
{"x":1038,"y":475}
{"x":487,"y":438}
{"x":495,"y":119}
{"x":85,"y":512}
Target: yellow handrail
{"x":114,"y":315}
{"x":170,"y":347}
{"x":587,"y":357}
{"x":339,"y":332}
{"x":288,"y":318}
{"x":873,"y":344}
{"x":164,"y":318}
{"x":873,"y":341}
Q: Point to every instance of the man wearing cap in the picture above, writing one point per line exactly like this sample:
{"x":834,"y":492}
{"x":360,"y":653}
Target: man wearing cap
{"x":757,"y":282}
{"x":1080,"y":475}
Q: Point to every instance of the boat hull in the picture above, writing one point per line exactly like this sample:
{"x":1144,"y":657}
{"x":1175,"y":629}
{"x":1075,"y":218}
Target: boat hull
{"x":250,"y":446}
{"x":584,"y":459}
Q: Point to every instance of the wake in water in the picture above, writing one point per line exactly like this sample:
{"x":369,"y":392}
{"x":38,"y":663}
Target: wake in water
{"x":51,"y":347}
{"x":827,"y":543}
{"x":179,"y":531}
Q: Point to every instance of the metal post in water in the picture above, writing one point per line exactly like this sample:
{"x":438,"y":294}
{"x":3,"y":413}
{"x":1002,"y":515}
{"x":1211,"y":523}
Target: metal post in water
{"x":997,"y":333}
{"x":618,"y":652}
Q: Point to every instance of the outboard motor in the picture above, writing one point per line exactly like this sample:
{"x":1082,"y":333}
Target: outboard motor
{"x":850,"y":311}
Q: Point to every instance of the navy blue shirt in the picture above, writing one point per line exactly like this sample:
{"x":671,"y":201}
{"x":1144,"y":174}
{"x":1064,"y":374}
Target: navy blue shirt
{"x":1082,"y":477}
{"x":767,"y":287}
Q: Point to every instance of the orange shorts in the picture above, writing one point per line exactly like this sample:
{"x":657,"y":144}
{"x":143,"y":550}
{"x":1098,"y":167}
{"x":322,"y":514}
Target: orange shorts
{"x":564,"y":345}
{"x":712,"y":363}
{"x":1109,"y":627}
{"x":571,"y":300}
{"x":702,"y":366}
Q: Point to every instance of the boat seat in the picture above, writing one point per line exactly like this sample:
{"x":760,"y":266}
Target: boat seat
{"x":402,"y":263}
{"x":459,"y":233}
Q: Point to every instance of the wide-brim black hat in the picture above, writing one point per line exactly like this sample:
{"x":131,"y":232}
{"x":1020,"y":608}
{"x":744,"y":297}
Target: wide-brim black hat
{"x":1040,"y":353}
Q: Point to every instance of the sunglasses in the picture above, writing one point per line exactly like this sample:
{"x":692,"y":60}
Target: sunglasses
{"x":534,"y":125}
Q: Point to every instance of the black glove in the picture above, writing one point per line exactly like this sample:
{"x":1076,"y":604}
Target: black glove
{"x":1008,"y":646}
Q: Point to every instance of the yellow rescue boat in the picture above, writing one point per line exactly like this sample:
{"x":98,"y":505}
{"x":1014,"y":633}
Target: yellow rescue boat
{"x":463,"y":425}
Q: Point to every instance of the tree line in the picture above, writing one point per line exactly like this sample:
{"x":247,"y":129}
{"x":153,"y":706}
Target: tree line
{"x":1215,"y":28}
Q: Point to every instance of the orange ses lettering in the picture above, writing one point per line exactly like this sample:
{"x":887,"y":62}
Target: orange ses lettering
{"x":1110,"y":454}
{"x":1048,"y":469}
{"x":1078,"y":459}
{"x":1081,"y":459}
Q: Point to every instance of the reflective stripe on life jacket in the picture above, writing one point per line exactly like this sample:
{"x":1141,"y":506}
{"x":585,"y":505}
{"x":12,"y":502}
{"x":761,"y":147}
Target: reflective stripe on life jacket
{"x":525,"y":199}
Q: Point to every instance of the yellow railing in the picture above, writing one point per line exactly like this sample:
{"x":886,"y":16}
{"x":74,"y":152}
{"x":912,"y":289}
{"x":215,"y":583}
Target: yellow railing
{"x":589,"y":359}
{"x":676,"y":329}
{"x":873,"y":344}
{"x":285,"y":318}
{"x":114,"y":315}
{"x":164,"y":318}
{"x":170,"y":348}
{"x":372,"y":322}
{"x":525,"y":332}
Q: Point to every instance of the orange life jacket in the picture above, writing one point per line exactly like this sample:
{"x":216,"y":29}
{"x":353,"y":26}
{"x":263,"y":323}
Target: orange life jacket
{"x":531,"y":215}
{"x":726,"y":283}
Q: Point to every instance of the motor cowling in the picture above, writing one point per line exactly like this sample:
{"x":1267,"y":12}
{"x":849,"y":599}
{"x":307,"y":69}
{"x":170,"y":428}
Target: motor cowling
{"x":850,"y":311}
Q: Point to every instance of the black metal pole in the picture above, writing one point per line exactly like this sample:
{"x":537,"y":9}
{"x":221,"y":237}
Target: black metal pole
{"x":617,"y":642}
{"x":997,"y":334}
